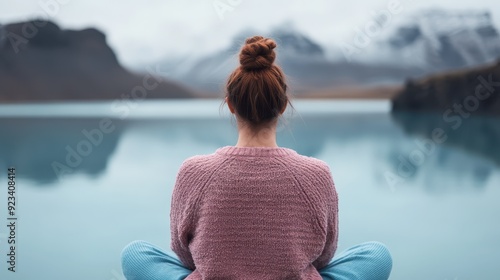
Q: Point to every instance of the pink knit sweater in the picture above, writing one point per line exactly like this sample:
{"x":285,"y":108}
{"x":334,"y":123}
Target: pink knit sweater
{"x":254,"y":213}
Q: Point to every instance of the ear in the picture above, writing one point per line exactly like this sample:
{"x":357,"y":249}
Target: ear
{"x":231,"y":108}
{"x":284,"y":108}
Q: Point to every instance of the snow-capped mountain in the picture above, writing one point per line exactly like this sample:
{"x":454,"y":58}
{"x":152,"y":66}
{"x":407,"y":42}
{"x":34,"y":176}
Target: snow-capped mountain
{"x":436,"y":40}
{"x":426,"y":42}
{"x":303,"y":60}
{"x":209,"y":73}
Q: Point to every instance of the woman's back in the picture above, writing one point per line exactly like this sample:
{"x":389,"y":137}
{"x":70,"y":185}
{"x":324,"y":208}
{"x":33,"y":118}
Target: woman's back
{"x":254,"y":213}
{"x":255,"y":210}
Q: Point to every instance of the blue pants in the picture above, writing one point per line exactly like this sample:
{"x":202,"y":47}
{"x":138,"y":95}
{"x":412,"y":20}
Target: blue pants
{"x":144,"y":261}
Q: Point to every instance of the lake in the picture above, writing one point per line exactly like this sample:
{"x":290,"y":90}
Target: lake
{"x":92,"y":177}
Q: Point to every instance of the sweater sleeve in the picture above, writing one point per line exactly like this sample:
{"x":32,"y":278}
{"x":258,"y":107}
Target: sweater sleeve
{"x":181,"y":227}
{"x":331,"y":205}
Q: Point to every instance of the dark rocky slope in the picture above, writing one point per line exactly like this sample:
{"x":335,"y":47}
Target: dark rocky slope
{"x":474,"y":90}
{"x":41,"y":62}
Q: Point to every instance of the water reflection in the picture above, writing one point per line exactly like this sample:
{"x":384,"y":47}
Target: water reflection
{"x":307,"y":134}
{"x":42,"y":149}
{"x":479,"y":135}
{"x":468,"y":147}
{"x":126,"y":191}
{"x":45,"y":149}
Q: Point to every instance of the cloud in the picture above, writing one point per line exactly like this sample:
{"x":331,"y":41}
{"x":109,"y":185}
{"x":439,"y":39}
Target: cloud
{"x":146,"y":31}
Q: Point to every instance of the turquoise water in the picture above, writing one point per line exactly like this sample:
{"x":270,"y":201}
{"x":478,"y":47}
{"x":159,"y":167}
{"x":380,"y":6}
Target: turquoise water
{"x":436,"y":205}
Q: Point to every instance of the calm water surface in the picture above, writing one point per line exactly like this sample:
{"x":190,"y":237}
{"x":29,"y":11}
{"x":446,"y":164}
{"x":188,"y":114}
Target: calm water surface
{"x":80,"y":202}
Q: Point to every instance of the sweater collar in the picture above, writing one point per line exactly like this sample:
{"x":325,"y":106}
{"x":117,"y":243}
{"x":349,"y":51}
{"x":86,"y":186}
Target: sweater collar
{"x":255,"y":151}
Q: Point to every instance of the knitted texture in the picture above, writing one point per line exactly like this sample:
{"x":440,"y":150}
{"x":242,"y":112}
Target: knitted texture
{"x":254,"y":213}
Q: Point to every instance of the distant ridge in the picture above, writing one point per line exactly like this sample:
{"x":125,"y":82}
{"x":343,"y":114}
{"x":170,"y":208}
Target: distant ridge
{"x":425,"y":42}
{"x":303,"y":60}
{"x":438,"y":40}
{"x":41,"y":62}
{"x":455,"y":94}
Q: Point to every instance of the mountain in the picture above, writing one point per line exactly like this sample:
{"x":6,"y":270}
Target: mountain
{"x":303,"y":60}
{"x":41,"y":62}
{"x":410,"y":47}
{"x":209,"y":73}
{"x":436,"y":40}
{"x":457,"y":94}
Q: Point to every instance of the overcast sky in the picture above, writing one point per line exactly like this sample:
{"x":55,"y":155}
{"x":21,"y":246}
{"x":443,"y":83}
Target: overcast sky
{"x":148,"y":30}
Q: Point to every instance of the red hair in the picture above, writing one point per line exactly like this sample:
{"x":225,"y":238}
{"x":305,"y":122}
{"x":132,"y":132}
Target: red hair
{"x":257,"y":89}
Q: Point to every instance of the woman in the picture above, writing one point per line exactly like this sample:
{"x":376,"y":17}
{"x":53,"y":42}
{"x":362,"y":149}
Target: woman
{"x":255,"y":210}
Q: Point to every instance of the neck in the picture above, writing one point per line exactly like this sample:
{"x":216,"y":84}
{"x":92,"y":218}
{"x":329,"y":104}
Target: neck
{"x":264,"y":137}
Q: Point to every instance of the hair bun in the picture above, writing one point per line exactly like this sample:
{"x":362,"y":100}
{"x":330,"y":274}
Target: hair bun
{"x":257,"y":53}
